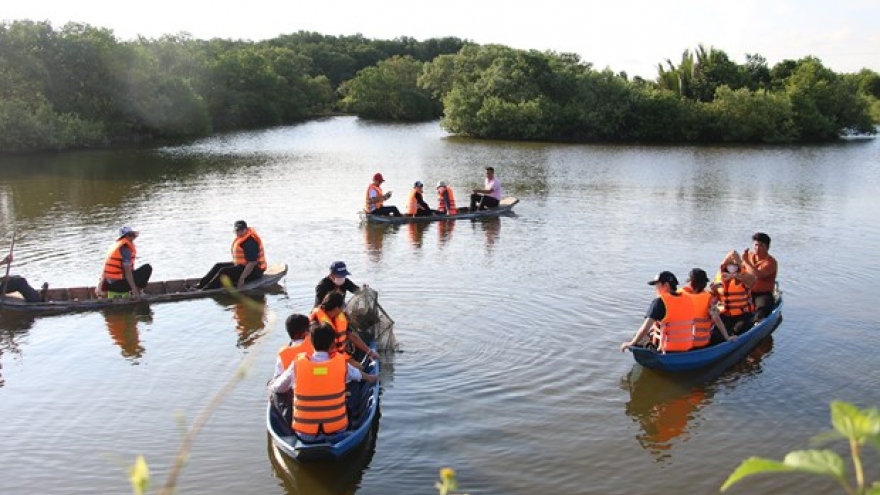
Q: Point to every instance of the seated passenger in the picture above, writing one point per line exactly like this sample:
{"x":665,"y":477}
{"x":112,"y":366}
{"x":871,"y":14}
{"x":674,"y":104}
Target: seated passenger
{"x":331,"y":312}
{"x":758,"y":262}
{"x":119,"y":273}
{"x":670,"y":318}
{"x":705,"y":311}
{"x":248,"y":260}
{"x":336,"y":281}
{"x":416,"y":206}
{"x":16,"y":283}
{"x":732,"y":287}
{"x":318,"y":384}
{"x":375,"y":199}
{"x":445,"y":199}
{"x":300,"y":344}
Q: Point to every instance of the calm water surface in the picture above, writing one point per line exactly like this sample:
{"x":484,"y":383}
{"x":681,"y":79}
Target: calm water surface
{"x":510,"y":327}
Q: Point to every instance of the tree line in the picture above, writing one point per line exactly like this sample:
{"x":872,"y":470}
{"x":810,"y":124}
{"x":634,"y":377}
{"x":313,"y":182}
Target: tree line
{"x":78,"y":86}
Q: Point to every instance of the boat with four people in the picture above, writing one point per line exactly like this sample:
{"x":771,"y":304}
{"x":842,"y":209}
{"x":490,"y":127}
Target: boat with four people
{"x":504,"y":206}
{"x":70,"y":299}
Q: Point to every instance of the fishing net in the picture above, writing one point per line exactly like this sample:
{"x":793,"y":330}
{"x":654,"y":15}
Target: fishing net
{"x":367,"y":316}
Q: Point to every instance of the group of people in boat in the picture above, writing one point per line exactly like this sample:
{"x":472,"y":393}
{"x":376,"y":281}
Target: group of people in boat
{"x":701,"y":314}
{"x":314,"y":368}
{"x":488,"y":197}
{"x":120,"y":278}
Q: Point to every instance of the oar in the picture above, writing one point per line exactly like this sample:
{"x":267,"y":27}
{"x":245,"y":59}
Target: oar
{"x":8,"y":267}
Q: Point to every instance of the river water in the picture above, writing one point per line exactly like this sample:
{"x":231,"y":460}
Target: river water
{"x":510,"y":371}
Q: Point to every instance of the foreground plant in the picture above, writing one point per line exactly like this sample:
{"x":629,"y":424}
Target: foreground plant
{"x":858,"y":427}
{"x":447,"y":484}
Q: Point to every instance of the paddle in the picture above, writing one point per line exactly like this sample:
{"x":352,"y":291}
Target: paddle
{"x":8,"y":267}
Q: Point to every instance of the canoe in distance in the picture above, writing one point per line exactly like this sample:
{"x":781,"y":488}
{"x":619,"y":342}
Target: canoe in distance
{"x":504,"y":206}
{"x":70,"y":299}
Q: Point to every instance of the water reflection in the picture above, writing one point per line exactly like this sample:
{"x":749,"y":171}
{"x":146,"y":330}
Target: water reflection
{"x":666,"y":405}
{"x":250,"y":315}
{"x":491,"y":228}
{"x":14,"y":327}
{"x":374,"y":238}
{"x":416,"y":232}
{"x":122,"y":324}
{"x":444,"y":232}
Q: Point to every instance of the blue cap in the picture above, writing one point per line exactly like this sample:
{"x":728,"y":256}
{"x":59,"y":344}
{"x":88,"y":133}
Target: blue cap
{"x":339,"y":269}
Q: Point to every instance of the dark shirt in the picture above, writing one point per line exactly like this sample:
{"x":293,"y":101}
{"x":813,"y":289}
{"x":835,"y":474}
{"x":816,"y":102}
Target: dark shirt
{"x":657,"y":310}
{"x":325,"y":286}
{"x":251,"y":249}
{"x":421,"y":201}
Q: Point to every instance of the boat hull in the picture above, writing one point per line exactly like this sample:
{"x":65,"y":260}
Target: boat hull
{"x":505,"y":206}
{"x":701,"y":358}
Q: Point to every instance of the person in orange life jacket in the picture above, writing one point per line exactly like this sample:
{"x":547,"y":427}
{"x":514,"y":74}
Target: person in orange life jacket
{"x":445,"y":199}
{"x":375,"y":199}
{"x":489,"y":196}
{"x":248,"y":260}
{"x":336,"y":281}
{"x":732,"y":286}
{"x":706,"y":312}
{"x":318,"y":384}
{"x":416,"y":206}
{"x":300,"y":344}
{"x":758,"y":262}
{"x":669,"y":318}
{"x":119,"y":273}
{"x":331,"y":311}
{"x":16,"y":283}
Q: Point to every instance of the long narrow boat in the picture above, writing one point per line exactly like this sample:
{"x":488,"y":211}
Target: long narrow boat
{"x":64,"y":300}
{"x":700,"y":358}
{"x":504,"y":206}
{"x":363,"y":405}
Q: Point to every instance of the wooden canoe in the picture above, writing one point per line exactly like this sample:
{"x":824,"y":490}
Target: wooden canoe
{"x":363,"y":405}
{"x":64,"y":300}
{"x":701,"y":358}
{"x":504,"y":206}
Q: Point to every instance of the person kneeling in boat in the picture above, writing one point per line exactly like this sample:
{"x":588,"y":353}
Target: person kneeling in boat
{"x":375,"y":200}
{"x":705,"y":311}
{"x":669,"y":320}
{"x":119,"y":273}
{"x":417,"y":207}
{"x":331,"y":312}
{"x":248,"y":260}
{"x":318,"y":384}
{"x":732,"y":287}
{"x":16,"y":283}
{"x":445,"y":200}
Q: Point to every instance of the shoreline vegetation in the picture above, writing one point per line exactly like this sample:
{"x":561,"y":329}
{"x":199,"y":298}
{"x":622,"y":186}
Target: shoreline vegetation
{"x":78,"y":86}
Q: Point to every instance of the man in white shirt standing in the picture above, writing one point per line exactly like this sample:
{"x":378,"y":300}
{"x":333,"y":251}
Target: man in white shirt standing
{"x":490,"y":196}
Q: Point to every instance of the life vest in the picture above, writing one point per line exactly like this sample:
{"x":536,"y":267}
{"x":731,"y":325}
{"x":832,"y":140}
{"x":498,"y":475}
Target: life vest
{"x":736,"y":298}
{"x":702,"y":318}
{"x":238,"y":252}
{"x":412,"y":204}
{"x":675,"y":332}
{"x":441,"y":201}
{"x":113,"y":269}
{"x":319,"y":396}
{"x":287,"y":353}
{"x":339,"y":324}
{"x":766,"y":283}
{"x":370,"y":207}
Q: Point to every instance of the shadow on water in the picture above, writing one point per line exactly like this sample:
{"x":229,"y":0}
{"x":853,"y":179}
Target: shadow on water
{"x":666,"y":405}
{"x":122,"y":324}
{"x":374,"y":238}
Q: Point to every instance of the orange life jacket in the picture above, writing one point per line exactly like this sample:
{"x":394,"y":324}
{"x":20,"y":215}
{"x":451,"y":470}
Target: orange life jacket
{"x":339,"y":324}
{"x":675,"y":332}
{"x":113,"y":269}
{"x":441,"y":200}
{"x":238,"y":252}
{"x":319,"y":396}
{"x":736,"y":298}
{"x":289,"y":352}
{"x":702,"y":318}
{"x":370,"y":207}
{"x":412,"y":204}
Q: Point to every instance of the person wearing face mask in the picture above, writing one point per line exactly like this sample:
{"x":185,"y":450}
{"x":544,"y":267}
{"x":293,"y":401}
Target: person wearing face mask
{"x":732,"y":287}
{"x":337,"y":280}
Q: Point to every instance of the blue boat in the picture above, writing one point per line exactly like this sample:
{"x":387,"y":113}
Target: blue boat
{"x":700,"y":358}
{"x":363,"y":406}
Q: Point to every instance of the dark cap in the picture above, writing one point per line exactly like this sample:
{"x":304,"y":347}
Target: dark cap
{"x":698,"y":276}
{"x":418,"y":183}
{"x":339,"y":269}
{"x":240,"y":225}
{"x":762,"y":238}
{"x":378,"y":177}
{"x":664,"y":278}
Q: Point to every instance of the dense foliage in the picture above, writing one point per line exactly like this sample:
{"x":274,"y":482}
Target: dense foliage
{"x":79,"y":86}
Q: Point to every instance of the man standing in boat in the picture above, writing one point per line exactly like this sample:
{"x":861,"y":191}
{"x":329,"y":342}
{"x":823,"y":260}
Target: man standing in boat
{"x":248,"y":260}
{"x":375,"y":199}
{"x":490,"y":195}
{"x":758,"y":262}
{"x":119,"y":273}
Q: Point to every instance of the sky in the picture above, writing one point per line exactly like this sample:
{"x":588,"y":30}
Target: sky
{"x":622,"y":35}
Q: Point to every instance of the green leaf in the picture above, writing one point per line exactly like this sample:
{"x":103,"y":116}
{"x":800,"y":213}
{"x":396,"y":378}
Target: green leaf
{"x":854,"y":423}
{"x":875,"y":489}
{"x":139,"y":475}
{"x":823,"y":462}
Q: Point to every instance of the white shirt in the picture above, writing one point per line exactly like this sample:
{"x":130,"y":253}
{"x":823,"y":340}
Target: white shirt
{"x":494,"y":187}
{"x":287,"y":380}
